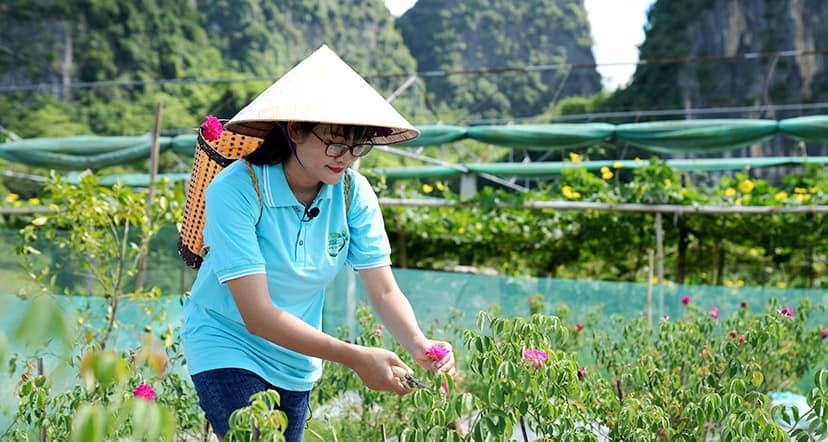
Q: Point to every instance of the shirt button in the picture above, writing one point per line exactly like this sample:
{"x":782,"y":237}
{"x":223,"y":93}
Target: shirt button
{"x":301,"y":242}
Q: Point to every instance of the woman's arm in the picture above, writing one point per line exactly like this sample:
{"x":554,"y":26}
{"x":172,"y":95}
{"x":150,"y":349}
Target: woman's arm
{"x":397,"y":315}
{"x":263,"y":319}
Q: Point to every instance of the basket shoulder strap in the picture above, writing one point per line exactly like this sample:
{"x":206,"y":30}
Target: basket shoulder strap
{"x":347,"y":193}
{"x":255,"y":186}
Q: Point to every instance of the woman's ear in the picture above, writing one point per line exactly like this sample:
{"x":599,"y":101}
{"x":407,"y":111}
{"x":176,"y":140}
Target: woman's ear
{"x":295,"y":133}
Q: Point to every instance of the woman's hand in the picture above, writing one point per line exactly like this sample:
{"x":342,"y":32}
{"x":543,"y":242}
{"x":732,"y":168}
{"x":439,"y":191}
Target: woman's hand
{"x":373,"y":365}
{"x":436,"y":356}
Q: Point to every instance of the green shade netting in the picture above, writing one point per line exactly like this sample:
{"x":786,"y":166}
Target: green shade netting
{"x":65,"y":161}
{"x":691,"y":136}
{"x":536,"y":169}
{"x":543,"y":136}
{"x":814,"y":128}
{"x":695,"y":135}
{"x":184,"y":144}
{"x":436,"y":134}
{"x":80,"y":145}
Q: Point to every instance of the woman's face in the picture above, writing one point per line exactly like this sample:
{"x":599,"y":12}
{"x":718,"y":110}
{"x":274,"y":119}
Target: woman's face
{"x":311,"y":151}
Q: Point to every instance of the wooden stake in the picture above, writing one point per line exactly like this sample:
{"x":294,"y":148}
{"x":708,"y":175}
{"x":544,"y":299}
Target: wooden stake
{"x":659,"y":228}
{"x":40,"y":373}
{"x":650,"y":287}
{"x":153,"y":172}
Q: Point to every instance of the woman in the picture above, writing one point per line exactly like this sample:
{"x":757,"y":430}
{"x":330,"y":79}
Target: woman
{"x":278,"y":228}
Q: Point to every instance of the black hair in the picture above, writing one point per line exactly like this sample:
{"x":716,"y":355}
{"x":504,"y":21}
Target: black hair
{"x":275,"y":147}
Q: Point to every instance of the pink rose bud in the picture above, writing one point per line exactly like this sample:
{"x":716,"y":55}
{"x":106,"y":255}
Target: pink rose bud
{"x":581,"y":373}
{"x":579,"y":327}
{"x":444,"y":387}
{"x":787,"y":312}
{"x":685,"y":300}
{"x":741,"y":339}
{"x":211,"y":128}
{"x":144,"y":391}
{"x":743,"y":304}
{"x":734,"y":334}
{"x":714,"y":312}
{"x":824,"y":334}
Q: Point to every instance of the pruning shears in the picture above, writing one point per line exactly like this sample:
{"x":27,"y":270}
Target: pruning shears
{"x":406,"y":377}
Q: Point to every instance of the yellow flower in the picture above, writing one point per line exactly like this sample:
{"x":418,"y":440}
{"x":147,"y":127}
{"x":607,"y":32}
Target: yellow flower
{"x":654,"y":280}
{"x":740,"y":283}
{"x":427,"y":188}
{"x":668,"y":182}
{"x":800,"y":190}
{"x":12,"y":197}
{"x":746,"y":186}
{"x":440,"y":186}
{"x":730,"y":191}
{"x":569,"y":193}
{"x":802,"y":197}
{"x":746,"y":199}
{"x":606,"y":173}
{"x":617,"y":165}
{"x":780,"y":196}
{"x":638,"y":161}
{"x":753,"y":252}
{"x":781,"y":285}
{"x":813,"y":189}
{"x":574,"y":157}
{"x":34,"y":201}
{"x":461,"y":229}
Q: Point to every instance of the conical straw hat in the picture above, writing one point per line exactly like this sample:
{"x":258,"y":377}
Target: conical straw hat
{"x":323,"y":89}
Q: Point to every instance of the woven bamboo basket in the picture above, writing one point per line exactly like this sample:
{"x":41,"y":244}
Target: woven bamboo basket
{"x":210,"y":158}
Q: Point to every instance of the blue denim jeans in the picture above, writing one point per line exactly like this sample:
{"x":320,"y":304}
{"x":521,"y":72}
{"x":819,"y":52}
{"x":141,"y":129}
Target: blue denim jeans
{"x":224,"y":390}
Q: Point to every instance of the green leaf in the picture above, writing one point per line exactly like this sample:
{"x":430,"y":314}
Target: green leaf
{"x":89,"y":424}
{"x":821,"y":379}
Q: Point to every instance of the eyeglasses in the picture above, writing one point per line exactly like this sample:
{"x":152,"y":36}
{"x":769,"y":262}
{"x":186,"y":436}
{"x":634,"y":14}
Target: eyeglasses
{"x":338,"y":149}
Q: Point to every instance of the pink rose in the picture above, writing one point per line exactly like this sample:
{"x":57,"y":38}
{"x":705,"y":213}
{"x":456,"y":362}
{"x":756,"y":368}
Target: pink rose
{"x":535,"y":357}
{"x":685,"y":300}
{"x":714,"y":312}
{"x":579,"y":327}
{"x":211,"y":128}
{"x":437,"y":352}
{"x":144,"y":391}
{"x":581,"y":373}
{"x":787,"y":312}
{"x":824,"y":334}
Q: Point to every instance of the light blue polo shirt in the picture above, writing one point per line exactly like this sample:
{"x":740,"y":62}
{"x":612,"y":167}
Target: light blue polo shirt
{"x":298,"y":256}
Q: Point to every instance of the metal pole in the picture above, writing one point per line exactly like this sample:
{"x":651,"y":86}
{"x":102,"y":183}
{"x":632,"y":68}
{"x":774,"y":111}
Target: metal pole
{"x":460,"y":168}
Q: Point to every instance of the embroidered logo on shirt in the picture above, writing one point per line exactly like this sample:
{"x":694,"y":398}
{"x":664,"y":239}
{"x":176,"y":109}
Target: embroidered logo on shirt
{"x":336,"y":242}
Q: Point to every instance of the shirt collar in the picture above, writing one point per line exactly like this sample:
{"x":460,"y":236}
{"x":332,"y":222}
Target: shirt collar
{"x":277,"y":192}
